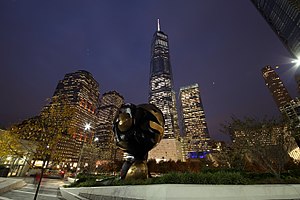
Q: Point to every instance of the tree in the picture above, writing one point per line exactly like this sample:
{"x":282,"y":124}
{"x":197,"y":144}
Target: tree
{"x":10,"y":145}
{"x":260,"y":143}
{"x":90,"y":155}
{"x":48,"y":128}
{"x":16,"y":149}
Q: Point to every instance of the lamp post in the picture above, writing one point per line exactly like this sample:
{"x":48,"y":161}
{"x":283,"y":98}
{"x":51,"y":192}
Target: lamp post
{"x":87,"y":127}
{"x":46,"y":159}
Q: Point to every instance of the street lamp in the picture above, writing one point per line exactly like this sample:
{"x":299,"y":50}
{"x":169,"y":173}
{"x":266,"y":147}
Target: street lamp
{"x":297,"y":62}
{"x":87,"y":127}
{"x":46,"y":159}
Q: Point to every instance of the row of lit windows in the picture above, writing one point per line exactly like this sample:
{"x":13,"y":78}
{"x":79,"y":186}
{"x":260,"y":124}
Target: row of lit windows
{"x":161,"y":42}
{"x":162,"y":35}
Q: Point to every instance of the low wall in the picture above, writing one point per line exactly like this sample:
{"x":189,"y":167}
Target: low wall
{"x":183,"y":191}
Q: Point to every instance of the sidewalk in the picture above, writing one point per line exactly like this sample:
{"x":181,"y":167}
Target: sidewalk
{"x":7,"y":184}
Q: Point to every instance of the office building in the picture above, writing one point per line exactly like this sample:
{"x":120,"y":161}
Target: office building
{"x":109,"y":106}
{"x":162,"y":95}
{"x":284,"y":18}
{"x":276,"y":87}
{"x":297,"y":79}
{"x":193,"y":123}
{"x":266,"y":137}
{"x":82,"y":91}
{"x":291,"y":111}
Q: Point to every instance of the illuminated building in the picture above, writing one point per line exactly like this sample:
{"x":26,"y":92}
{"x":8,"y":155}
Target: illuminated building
{"x":288,"y":107}
{"x":109,"y":106}
{"x":297,"y":78}
{"x":193,"y":123}
{"x":82,"y":91}
{"x":284,"y":18}
{"x":259,"y":137}
{"x":267,"y":136}
{"x":162,"y":95}
{"x":292,"y":110}
{"x":276,"y":87}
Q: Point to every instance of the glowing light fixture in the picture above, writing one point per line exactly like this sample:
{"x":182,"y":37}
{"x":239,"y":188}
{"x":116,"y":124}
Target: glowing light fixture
{"x":297,"y":62}
{"x":87,"y":126}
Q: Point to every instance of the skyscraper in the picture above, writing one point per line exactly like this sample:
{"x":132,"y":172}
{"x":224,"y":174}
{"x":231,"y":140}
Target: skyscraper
{"x":109,"y":106}
{"x":288,"y":107}
{"x":82,"y":91}
{"x":291,"y":111}
{"x":193,"y":122}
{"x":276,"y":87}
{"x":162,"y":94}
{"x":284,"y":18}
{"x":297,"y":78}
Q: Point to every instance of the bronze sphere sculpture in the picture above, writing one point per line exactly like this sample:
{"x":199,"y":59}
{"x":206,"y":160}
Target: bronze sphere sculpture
{"x":137,"y":129}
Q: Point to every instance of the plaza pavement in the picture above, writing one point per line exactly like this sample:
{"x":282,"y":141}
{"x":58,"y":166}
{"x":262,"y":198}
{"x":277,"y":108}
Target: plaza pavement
{"x":7,"y":184}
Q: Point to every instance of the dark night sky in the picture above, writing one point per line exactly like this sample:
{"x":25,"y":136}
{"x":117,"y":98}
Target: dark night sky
{"x":221,"y":45}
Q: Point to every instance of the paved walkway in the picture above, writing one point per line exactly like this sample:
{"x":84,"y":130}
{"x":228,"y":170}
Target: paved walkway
{"x":49,"y":190}
{"x":7,"y":184}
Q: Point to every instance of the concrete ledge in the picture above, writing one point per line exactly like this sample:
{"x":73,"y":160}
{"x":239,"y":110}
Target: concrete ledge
{"x":185,"y":191}
{"x":70,"y":195}
{"x":71,"y":180}
{"x":7,"y":184}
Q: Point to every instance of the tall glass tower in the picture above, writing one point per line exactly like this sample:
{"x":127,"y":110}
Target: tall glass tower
{"x":110,"y":103}
{"x":161,"y":81}
{"x":162,"y":95}
{"x":276,"y":87}
{"x":284,"y":18}
{"x":82,"y":92}
{"x":193,"y":122}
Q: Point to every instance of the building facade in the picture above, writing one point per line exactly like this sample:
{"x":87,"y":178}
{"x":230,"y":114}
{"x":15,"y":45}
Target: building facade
{"x":82,"y":91}
{"x":276,"y":87}
{"x":193,"y":123}
{"x":110,"y":103}
{"x":265,"y":137}
{"x":292,"y":111}
{"x":284,"y":18}
{"x":297,"y":79}
{"x":161,"y":94}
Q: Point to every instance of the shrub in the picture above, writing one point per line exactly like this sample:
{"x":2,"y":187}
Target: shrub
{"x":194,"y":178}
{"x":88,"y":183}
{"x":215,"y":178}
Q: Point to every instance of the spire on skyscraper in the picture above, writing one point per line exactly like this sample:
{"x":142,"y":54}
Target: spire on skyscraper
{"x":162,"y":95}
{"x":158,"y":25}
